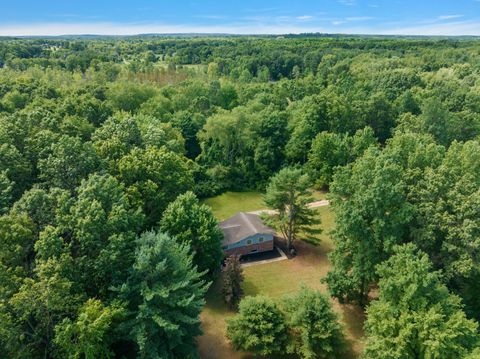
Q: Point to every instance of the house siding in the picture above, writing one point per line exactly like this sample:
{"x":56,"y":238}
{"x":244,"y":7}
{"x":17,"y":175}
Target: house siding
{"x":251,"y":244}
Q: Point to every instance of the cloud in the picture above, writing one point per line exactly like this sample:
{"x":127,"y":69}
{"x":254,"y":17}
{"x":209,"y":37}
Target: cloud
{"x":449,"y":17}
{"x":359,"y":18}
{"x":108,"y":28}
{"x":304,"y":17}
{"x":349,"y":2}
{"x":252,"y":25}
{"x":458,"y":28}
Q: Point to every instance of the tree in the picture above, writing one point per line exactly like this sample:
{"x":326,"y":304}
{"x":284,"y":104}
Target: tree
{"x":192,"y":223}
{"x":91,"y":334}
{"x":289,"y":194}
{"x":154,"y":178}
{"x":165,"y":297}
{"x":41,"y":206}
{"x":372,"y":214}
{"x":41,"y":302}
{"x":69,"y":162}
{"x":16,"y":243}
{"x":415,"y":316}
{"x":309,"y":118}
{"x":259,"y":327}
{"x":15,"y":169}
{"x":313,"y":325}
{"x":329,"y":150}
{"x":116,"y":137}
{"x":232,"y":280}
{"x":98,"y":228}
{"x":6,"y":187}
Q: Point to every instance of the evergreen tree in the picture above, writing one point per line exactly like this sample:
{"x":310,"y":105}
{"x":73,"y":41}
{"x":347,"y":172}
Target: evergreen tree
{"x":289,"y":194}
{"x":165,"y":297}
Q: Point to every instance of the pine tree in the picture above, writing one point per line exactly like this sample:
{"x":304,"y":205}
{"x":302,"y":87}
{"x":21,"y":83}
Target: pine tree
{"x":165,"y":293}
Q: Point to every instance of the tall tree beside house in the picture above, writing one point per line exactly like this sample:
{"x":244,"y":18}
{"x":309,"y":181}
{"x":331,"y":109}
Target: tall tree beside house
{"x":289,"y":194}
{"x":232,"y":281}
{"x":415,"y":315}
{"x":193,"y":223}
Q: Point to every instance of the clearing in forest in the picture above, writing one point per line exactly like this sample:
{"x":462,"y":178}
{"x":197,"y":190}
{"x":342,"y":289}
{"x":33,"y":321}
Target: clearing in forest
{"x":274,"y":279}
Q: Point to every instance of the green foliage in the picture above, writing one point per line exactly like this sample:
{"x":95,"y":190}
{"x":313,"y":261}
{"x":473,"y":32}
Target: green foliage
{"x":289,"y":194}
{"x":93,"y":134}
{"x":331,"y":150}
{"x":154,"y":178}
{"x":372,"y":215}
{"x":232,"y":279}
{"x":14,"y":168}
{"x":259,"y":327}
{"x":90,"y":335}
{"x":165,"y":296}
{"x":415,"y":315}
{"x":116,"y":137}
{"x":41,"y":302}
{"x":98,"y":228}
{"x":313,"y":325}
{"x":6,"y":187}
{"x":193,"y":224}
{"x":69,"y":162}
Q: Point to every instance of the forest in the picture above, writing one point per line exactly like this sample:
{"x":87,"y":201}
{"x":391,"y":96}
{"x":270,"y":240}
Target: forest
{"x":110,"y":145}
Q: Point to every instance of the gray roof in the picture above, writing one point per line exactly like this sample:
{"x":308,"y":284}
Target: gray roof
{"x":241,"y":226}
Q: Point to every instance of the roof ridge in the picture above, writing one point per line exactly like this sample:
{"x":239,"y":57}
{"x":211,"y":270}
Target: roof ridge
{"x":250,"y":224}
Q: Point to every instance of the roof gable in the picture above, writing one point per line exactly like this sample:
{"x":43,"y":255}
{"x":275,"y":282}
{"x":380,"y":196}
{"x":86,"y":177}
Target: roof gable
{"x":241,"y":226}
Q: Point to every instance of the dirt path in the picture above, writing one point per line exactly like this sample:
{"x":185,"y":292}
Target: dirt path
{"x":315,"y":204}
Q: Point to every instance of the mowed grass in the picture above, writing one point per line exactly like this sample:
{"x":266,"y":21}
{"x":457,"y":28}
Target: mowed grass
{"x":230,"y":203}
{"x":276,"y":280}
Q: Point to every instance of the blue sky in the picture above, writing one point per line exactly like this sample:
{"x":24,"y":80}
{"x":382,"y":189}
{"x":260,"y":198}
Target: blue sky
{"x":121,"y":17}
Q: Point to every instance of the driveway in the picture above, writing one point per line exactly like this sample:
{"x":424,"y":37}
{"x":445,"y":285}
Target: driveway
{"x":315,"y":204}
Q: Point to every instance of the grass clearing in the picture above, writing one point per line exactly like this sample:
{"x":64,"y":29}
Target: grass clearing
{"x":275,"y":280}
{"x":230,"y":203}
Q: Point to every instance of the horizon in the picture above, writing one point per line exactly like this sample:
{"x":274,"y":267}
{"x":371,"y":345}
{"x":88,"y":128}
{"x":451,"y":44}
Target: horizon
{"x":342,"y":17}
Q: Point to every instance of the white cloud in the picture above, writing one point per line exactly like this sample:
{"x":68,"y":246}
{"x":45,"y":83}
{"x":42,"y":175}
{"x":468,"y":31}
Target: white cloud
{"x":304,"y":17}
{"x":349,"y":2}
{"x":449,"y":17}
{"x":257,"y":25}
{"x":441,"y":29}
{"x":105,"y":28}
{"x":359,"y":18}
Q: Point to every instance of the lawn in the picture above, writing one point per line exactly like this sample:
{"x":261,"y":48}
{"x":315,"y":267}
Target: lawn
{"x":276,"y":279}
{"x":230,"y":203}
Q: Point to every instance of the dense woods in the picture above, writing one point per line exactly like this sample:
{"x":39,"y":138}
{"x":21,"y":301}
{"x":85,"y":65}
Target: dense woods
{"x":108,"y":144}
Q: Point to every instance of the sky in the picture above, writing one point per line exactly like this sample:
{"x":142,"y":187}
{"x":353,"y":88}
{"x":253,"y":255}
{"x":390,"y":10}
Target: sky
{"x":121,"y":17}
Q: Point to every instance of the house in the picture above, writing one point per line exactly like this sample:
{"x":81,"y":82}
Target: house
{"x":245,"y":233}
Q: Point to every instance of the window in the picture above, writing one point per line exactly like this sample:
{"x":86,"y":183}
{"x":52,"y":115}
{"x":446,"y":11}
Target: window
{"x":260,"y":240}
{"x":249,"y":241}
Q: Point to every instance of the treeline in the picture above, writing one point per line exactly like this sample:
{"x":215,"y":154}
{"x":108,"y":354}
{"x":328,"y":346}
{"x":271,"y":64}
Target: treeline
{"x":107,"y":144}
